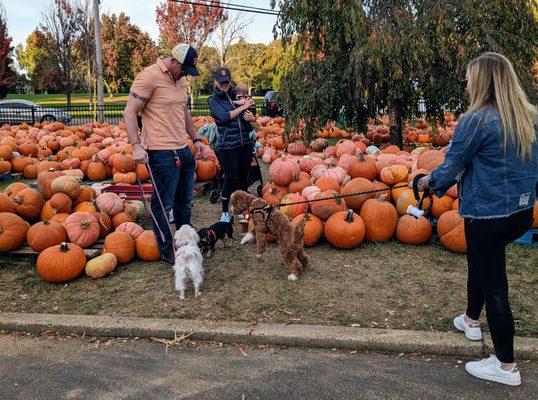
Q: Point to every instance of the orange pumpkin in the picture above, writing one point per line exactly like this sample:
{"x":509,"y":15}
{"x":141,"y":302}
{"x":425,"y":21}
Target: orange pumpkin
{"x":313,"y":228}
{"x":345,"y":230}
{"x":124,"y":162}
{"x":430,"y":160}
{"x":105,"y":223}
{"x":412,"y":230}
{"x":28,"y":203}
{"x":44,"y":182}
{"x":45,"y":234}
{"x":120,"y":218}
{"x":394,"y":174}
{"x":535,"y":216}
{"x":451,"y":231}
{"x":13,"y":230}
{"x":407,"y":198}
{"x":13,"y":189}
{"x":146,"y":246}
{"x":124,"y":177}
{"x":364,"y":167}
{"x":325,"y":204}
{"x":206,"y":170}
{"x":96,"y":170}
{"x":122,"y":245}
{"x":86,"y":194}
{"x":61,"y":202}
{"x":61,"y":263}
{"x":380,"y":219}
{"x":142,"y":172}
{"x":293,"y":210}
{"x":441,"y":205}
{"x":6,"y":204}
{"x":357,"y":185}
{"x":325,"y":184}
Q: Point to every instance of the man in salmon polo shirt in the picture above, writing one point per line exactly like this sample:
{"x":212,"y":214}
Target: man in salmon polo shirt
{"x":159,"y":95}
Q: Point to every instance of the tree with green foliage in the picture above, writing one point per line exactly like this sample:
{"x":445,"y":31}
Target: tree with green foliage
{"x":375,"y":56}
{"x":40,"y":63}
{"x":325,"y":85}
{"x":126,"y":51}
{"x":242,"y":61}
{"x":274,"y":63}
{"x":6,"y":72}
{"x":61,"y":22}
{"x":208,"y":61}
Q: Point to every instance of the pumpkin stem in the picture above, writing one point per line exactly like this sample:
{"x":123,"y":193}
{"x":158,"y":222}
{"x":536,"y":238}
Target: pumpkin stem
{"x":349,"y":216}
{"x":361,"y":157}
{"x":63,"y":247}
{"x":382,"y":198}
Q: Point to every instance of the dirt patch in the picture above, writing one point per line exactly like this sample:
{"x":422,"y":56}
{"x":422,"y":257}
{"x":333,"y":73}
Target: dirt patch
{"x":377,"y":285}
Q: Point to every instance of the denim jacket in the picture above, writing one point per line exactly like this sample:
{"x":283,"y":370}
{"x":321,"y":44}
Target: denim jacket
{"x":232,"y":132}
{"x":492,"y":183}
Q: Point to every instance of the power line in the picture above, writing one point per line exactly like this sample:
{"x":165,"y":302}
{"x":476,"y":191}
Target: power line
{"x":230,"y":6}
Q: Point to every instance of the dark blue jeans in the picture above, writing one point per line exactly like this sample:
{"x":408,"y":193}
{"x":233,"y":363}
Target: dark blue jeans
{"x":176,"y":188}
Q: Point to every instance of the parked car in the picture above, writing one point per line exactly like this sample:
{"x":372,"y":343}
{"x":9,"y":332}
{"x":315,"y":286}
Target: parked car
{"x":19,"y":111}
{"x":272,"y":105}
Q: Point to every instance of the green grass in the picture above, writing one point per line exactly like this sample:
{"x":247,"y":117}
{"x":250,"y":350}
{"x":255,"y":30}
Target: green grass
{"x":82,"y":99}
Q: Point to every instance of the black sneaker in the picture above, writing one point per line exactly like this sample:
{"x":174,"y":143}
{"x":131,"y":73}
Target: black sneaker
{"x":168,"y":258}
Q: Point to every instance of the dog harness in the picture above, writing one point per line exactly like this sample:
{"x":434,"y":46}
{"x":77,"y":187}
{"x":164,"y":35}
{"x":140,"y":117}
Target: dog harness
{"x":266,"y":211}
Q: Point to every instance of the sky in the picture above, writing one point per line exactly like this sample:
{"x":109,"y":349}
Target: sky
{"x":24,"y":15}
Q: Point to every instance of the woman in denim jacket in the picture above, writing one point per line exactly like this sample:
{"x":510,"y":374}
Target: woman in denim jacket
{"x":494,"y":158}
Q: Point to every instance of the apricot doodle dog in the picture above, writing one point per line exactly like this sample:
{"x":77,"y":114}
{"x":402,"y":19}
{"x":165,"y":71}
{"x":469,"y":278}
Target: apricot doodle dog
{"x":269,"y":219}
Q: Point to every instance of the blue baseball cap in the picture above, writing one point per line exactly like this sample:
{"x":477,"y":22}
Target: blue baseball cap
{"x":222,"y":74}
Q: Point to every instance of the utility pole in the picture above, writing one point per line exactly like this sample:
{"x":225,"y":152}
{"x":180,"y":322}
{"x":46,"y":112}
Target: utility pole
{"x":98,"y":59}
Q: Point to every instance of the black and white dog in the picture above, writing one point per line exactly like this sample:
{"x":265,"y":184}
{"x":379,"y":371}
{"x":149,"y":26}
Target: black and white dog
{"x":209,"y":237}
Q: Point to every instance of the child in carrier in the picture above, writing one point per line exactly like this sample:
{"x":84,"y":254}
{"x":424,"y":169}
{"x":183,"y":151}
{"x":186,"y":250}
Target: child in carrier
{"x":241,"y":92}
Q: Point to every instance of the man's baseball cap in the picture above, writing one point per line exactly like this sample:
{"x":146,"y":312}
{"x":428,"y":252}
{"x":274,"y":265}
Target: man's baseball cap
{"x":222,"y":74}
{"x":187,"y":57}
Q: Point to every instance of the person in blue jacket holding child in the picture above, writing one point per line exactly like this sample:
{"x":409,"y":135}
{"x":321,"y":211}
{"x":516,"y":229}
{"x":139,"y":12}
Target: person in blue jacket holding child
{"x":235,"y":139}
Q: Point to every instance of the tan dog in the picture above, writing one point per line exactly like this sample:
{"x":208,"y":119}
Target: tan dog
{"x":269,"y":219}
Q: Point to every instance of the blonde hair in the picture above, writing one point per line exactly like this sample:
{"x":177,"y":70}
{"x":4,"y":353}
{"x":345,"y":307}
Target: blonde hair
{"x":493,"y":82}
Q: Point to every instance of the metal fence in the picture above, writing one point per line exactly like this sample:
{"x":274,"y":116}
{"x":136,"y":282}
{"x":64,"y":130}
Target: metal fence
{"x":78,"y":115}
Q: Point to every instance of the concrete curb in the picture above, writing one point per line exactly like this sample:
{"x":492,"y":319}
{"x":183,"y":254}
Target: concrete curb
{"x":341,"y":337}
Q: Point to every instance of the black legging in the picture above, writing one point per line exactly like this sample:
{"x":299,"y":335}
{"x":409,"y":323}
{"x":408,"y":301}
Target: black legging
{"x":236,"y":166}
{"x":487,"y":282}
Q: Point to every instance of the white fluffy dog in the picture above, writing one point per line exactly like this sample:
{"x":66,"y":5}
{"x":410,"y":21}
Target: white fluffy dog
{"x":188,"y":260}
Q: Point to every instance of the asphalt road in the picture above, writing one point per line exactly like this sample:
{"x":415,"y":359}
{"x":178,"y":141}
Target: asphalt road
{"x":73,"y":368}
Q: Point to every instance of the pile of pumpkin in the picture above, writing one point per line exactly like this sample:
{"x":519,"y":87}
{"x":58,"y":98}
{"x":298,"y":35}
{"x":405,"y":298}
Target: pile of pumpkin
{"x":62,"y":217}
{"x":93,"y":151}
{"x":62,"y":209}
{"x":418,"y":132}
{"x":320,"y":183}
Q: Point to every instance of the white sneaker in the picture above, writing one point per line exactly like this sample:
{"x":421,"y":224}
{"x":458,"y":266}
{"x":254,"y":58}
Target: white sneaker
{"x":472,"y":330}
{"x":490,"y":369}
